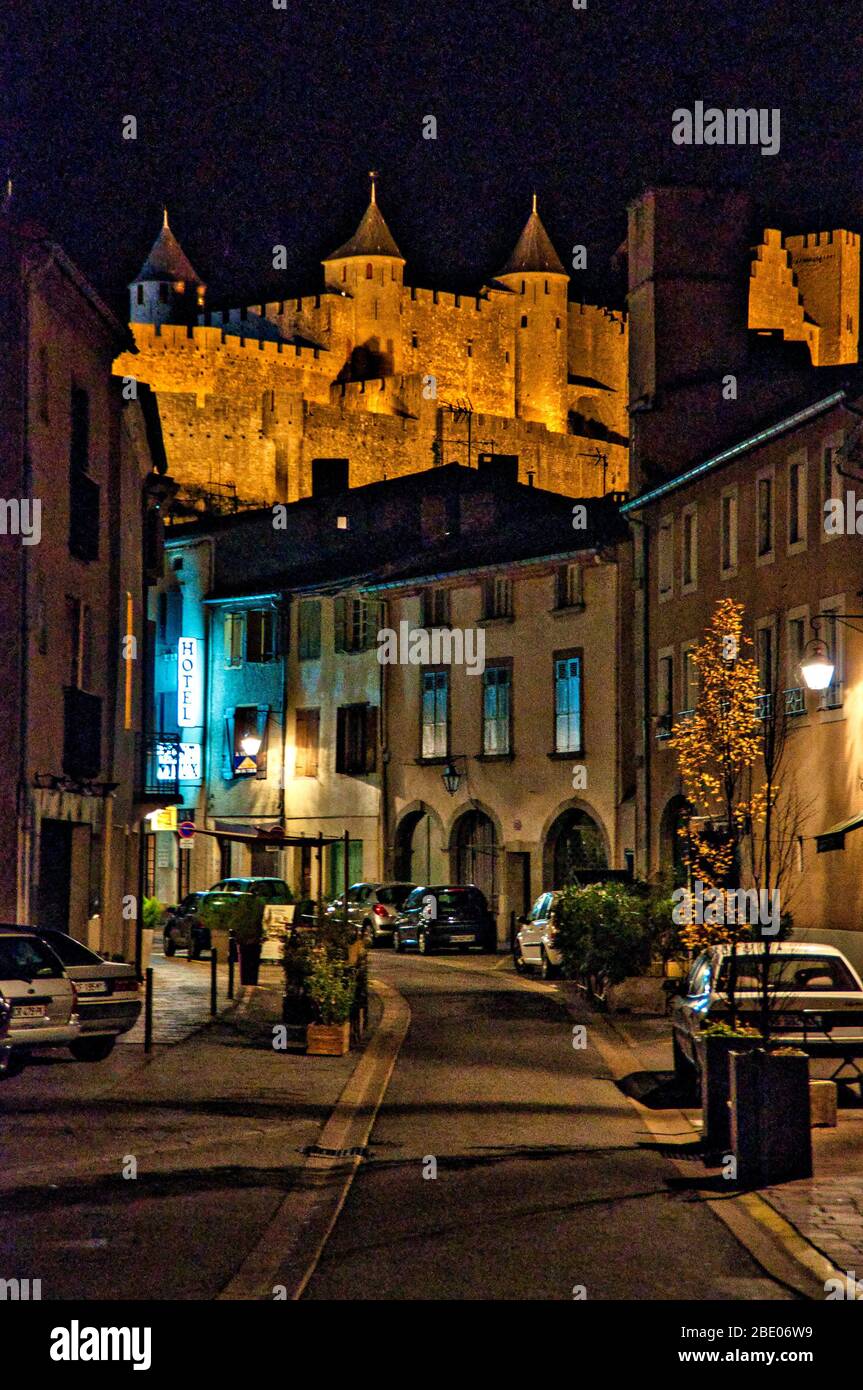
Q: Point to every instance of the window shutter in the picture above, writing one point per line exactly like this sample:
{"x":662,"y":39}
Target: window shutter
{"x":371,"y":737}
{"x":341,"y":740}
{"x":339,"y":606}
{"x":263,"y":734}
{"x":228,"y":750}
{"x":173,"y":618}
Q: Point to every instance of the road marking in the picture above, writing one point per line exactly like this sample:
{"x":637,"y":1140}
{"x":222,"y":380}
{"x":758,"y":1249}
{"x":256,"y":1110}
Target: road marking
{"x":290,"y":1249}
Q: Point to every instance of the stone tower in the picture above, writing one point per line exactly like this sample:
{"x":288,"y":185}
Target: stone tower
{"x":166,"y":288}
{"x":369,"y":271}
{"x":535,"y":275}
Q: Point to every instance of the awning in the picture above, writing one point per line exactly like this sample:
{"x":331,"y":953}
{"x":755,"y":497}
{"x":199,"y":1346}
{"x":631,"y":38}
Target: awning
{"x":272,"y":836}
{"x":834,"y":838}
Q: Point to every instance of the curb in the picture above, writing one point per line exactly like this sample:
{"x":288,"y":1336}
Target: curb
{"x":288,"y":1253}
{"x":772,"y":1241}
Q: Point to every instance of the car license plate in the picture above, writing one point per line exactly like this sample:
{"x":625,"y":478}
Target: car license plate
{"x":29,"y":1011}
{"x":462,"y":936}
{"x":92,"y":987}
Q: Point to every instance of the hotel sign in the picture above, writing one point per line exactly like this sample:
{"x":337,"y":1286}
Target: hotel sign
{"x":189,"y":683}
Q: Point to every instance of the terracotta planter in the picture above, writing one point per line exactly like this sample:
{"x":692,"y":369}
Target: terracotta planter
{"x":250,"y":961}
{"x":771,"y":1138}
{"x":714,"y":1064}
{"x":328,"y":1039}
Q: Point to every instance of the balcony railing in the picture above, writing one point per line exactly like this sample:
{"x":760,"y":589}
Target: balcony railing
{"x":795,"y":701}
{"x":764,"y":705}
{"x":82,"y":734}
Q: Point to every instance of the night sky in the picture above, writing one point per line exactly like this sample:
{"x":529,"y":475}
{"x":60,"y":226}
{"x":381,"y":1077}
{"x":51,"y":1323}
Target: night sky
{"x":258,"y":126}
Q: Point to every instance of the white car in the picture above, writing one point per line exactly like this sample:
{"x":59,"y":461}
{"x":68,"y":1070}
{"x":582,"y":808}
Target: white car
{"x":42,"y":1001}
{"x":536,"y":942}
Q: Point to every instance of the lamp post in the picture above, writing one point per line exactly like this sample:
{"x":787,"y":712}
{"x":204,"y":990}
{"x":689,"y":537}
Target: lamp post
{"x":816,"y":665}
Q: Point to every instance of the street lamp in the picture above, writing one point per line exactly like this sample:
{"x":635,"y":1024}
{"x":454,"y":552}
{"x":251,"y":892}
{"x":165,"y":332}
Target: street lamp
{"x":250,"y":745}
{"x":816,"y":667}
{"x":451,"y":778}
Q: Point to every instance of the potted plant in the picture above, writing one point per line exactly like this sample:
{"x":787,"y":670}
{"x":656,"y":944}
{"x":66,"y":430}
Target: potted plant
{"x":153,"y":912}
{"x":771,"y":1136}
{"x":245,"y":921}
{"x":331,"y":988}
{"x":714,"y":1046}
{"x":298,"y":961}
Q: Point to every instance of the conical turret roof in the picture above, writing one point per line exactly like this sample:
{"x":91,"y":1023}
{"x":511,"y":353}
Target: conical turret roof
{"x":372,"y":237}
{"x":167,"y":260}
{"x":533,"y":250}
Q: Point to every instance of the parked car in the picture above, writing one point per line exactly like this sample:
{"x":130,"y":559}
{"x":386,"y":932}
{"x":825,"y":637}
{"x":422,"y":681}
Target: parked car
{"x":109,"y":994}
{"x":536,"y":941}
{"x":445,"y":915}
{"x":185,"y":928}
{"x":803,"y":975}
{"x":41,"y":999}
{"x":372,"y":908}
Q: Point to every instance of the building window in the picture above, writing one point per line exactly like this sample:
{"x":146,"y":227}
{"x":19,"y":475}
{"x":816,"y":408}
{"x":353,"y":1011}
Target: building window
{"x":689,"y":572}
{"x":44,"y":385}
{"x":369,"y":271}
{"x":307,"y":742}
{"x":524,"y":320}
{"x":233,"y":638}
{"x":261,"y":630}
{"x":690,"y":681}
{"x":309,"y":623}
{"x":434,"y":714}
{"x":568,"y":702}
{"x":498,"y":597}
{"x":469,"y":348}
{"x":356,"y":623}
{"x":415,"y":342}
{"x":435,"y":608}
{"x":665,"y":695}
{"x":569,"y":586}
{"x":834,"y":635}
{"x":557,"y":324}
{"x":356,"y":739}
{"x":728,"y":538}
{"x":796,"y":502}
{"x":140,"y":295}
{"x":83,"y":491}
{"x":79,"y":625}
{"x":765,"y":658}
{"x":828,"y":476}
{"x":764,"y":518}
{"x":665,"y":568}
{"x":169,"y":619}
{"x":497,"y":710}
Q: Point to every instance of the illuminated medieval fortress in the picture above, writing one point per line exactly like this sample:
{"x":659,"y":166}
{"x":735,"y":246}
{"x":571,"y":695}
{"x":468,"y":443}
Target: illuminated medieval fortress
{"x":362,"y":381}
{"x":363,"y":377}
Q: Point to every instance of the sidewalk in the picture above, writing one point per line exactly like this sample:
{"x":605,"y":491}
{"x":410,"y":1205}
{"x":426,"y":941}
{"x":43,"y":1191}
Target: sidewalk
{"x":827,"y":1209}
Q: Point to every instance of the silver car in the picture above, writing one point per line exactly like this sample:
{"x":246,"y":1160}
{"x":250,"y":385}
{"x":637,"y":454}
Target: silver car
{"x":372,"y":909}
{"x":109,"y":995}
{"x":39,"y":999}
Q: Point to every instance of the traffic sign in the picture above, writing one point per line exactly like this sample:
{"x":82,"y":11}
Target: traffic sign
{"x":186,"y":830}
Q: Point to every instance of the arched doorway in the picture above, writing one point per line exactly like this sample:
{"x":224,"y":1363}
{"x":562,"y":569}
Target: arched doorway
{"x":476,"y":854}
{"x":575,"y":841}
{"x":419,"y":857}
{"x":672,"y":844}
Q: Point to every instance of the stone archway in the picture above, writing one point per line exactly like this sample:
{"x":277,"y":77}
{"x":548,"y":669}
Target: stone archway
{"x":419,"y":855}
{"x":475,"y":854}
{"x":575,"y":840}
{"x":672,"y":845}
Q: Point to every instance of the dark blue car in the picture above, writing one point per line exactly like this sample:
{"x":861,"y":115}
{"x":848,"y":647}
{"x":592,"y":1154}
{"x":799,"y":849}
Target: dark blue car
{"x":442,"y":916}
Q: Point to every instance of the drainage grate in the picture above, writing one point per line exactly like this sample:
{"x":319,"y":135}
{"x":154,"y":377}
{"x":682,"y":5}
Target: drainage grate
{"x":317,"y":1151}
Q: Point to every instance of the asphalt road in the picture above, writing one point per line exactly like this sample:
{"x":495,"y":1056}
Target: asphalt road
{"x":507,"y":1164}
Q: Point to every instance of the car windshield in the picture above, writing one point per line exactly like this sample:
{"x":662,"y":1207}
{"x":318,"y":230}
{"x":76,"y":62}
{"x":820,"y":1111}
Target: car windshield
{"x":458,"y":900}
{"x":25,"y":959}
{"x":790,"y":974}
{"x":70,"y":951}
{"x":394,"y":894}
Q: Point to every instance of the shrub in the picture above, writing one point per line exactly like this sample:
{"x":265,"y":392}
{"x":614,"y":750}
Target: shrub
{"x":603,"y":934}
{"x":331,"y":986}
{"x":153,"y":912}
{"x":244,"y":917}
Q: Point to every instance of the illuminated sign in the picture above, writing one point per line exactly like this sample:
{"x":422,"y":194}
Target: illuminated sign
{"x":189,"y":691}
{"x":166,"y":819}
{"x":173,"y":763}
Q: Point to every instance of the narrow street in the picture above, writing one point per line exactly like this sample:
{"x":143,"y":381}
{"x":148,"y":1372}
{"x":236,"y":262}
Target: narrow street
{"x":546,"y":1177}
